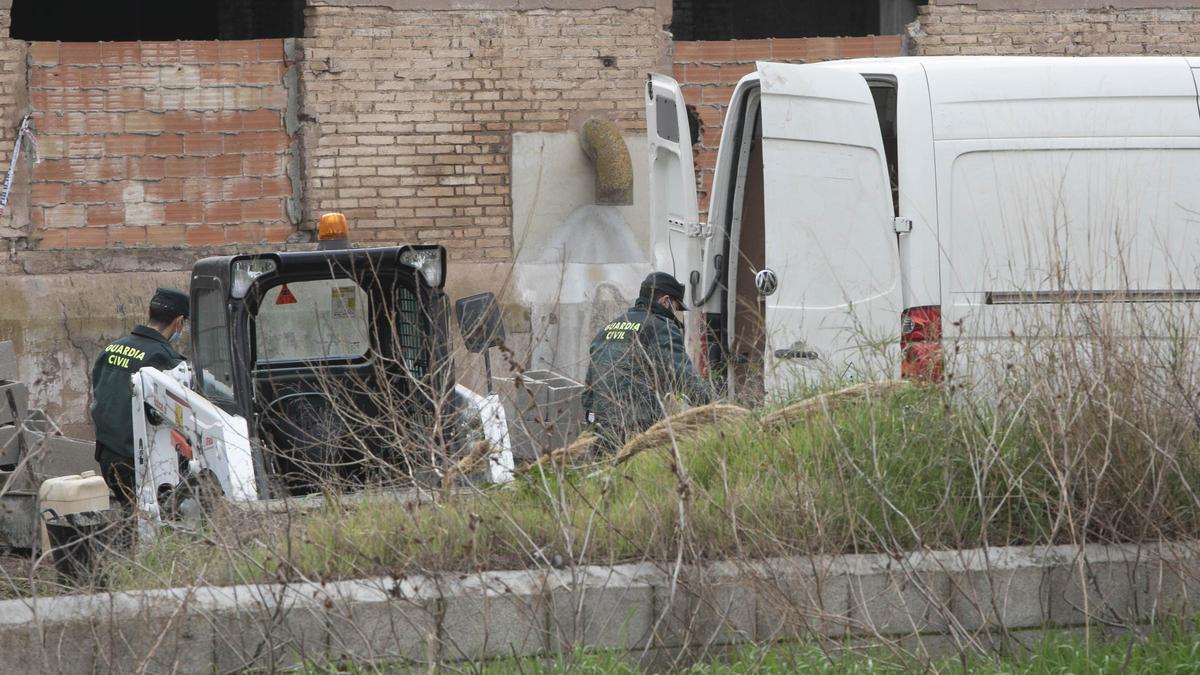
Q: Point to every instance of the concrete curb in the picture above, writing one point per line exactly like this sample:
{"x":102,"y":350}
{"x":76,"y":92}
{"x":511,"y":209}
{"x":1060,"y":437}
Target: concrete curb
{"x":965,"y":595}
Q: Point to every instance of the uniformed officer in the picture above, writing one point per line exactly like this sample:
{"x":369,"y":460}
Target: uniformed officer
{"x":638,"y":358}
{"x":112,"y":409}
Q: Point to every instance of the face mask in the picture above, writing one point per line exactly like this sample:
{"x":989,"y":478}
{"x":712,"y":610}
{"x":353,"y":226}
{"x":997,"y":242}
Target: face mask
{"x":176,"y":335}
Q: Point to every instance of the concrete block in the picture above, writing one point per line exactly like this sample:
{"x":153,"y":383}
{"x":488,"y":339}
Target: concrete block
{"x":494,"y":615}
{"x":8,"y":362}
{"x":372,"y":625}
{"x":64,"y":456}
{"x":1098,"y":585}
{"x":1000,"y":594}
{"x":620,"y":616}
{"x":889,"y":597}
{"x":37,"y":421}
{"x":801,"y":601}
{"x":1177,"y":582}
{"x":19,"y":520}
{"x":707,"y":608}
{"x":14,"y":402}
{"x":11,"y":436}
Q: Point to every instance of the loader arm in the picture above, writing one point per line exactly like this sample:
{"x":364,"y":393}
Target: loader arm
{"x":178,"y":436}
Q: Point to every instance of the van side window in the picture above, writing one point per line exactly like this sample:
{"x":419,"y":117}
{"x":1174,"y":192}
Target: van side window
{"x":884,"y":92}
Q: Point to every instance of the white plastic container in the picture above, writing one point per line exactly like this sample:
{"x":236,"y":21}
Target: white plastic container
{"x":71,"y":494}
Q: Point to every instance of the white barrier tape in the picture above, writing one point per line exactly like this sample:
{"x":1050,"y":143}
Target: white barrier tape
{"x":22,"y":133}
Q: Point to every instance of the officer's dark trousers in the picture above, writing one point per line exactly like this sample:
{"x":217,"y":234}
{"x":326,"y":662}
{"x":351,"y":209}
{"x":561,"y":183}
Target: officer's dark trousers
{"x":118,"y":475}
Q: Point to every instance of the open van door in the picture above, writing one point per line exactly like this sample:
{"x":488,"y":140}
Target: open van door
{"x":676,"y":235}
{"x":832,"y":278}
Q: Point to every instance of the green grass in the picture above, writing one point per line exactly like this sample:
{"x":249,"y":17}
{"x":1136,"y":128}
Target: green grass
{"x":906,"y":471}
{"x":1171,"y":648}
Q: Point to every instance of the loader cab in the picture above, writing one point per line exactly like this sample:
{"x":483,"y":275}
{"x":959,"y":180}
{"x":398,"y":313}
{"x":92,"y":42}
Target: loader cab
{"x":337,"y":358}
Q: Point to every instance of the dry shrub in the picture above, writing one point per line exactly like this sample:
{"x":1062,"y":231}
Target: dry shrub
{"x":683,"y":426}
{"x":821,"y":404}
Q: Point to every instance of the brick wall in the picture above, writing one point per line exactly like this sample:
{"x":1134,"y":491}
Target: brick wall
{"x":14,"y":98}
{"x":159,"y":143}
{"x":412,"y":111}
{"x":708,"y":71}
{"x":1062,"y":27}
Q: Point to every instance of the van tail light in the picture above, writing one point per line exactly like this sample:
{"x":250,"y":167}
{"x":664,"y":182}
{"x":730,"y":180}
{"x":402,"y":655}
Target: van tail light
{"x":921,"y":343}
{"x":702,"y":356}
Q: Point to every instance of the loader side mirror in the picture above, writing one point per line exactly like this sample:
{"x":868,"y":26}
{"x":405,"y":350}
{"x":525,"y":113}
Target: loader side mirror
{"x":480,"y":321}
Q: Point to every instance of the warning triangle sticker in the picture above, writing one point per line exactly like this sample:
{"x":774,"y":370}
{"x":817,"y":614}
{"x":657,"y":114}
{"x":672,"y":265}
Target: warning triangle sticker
{"x":285,"y":297}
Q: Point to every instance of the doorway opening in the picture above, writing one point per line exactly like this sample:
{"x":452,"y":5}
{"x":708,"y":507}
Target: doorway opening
{"x":151,"y":20}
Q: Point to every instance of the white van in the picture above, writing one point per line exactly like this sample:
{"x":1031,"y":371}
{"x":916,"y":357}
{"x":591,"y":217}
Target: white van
{"x":861,"y":209}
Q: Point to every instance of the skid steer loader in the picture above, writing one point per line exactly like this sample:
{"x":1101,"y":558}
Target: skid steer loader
{"x":317,"y":370}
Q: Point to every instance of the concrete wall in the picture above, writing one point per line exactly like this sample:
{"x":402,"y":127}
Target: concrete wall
{"x":1058,"y":27}
{"x":932,"y":603}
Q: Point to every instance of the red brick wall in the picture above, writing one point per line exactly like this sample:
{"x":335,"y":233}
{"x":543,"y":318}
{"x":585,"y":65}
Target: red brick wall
{"x":708,"y":71}
{"x":159,"y":143}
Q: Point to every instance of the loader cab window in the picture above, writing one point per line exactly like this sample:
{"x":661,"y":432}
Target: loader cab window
{"x":211,"y":336}
{"x":307,"y":321}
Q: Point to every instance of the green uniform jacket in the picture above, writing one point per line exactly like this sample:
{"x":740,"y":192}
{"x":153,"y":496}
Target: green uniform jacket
{"x":112,"y":410}
{"x":635,"y":359}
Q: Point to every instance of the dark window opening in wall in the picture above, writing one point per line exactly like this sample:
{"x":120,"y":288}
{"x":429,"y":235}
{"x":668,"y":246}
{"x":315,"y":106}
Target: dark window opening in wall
{"x":129,"y":20}
{"x":756,"y":19}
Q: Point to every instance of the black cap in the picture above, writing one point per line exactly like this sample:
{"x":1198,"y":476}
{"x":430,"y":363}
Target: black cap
{"x":661,"y":283}
{"x":171,"y":300}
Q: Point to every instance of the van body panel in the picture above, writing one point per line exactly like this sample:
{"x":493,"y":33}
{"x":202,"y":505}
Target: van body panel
{"x":1037,"y":97}
{"x":1035,"y":219}
{"x":675,"y":235}
{"x":828,"y":209}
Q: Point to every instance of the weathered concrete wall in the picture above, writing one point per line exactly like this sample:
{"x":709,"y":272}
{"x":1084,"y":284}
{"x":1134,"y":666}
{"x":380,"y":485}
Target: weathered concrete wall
{"x":973,"y":599}
{"x":1058,"y":27}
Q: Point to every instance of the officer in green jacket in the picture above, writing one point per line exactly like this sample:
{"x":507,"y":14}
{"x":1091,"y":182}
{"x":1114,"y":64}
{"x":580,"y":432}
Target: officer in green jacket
{"x":112,"y":409}
{"x":636,"y":360}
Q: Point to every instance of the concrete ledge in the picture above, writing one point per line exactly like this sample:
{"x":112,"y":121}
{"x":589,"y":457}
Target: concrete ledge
{"x":966,"y":597}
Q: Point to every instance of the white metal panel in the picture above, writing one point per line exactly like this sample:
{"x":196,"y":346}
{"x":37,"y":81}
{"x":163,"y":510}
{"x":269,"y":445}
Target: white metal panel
{"x":1045,"y":235}
{"x":675,"y":237}
{"x":1023,"y":97}
{"x":920,"y":257}
{"x":828,"y":226}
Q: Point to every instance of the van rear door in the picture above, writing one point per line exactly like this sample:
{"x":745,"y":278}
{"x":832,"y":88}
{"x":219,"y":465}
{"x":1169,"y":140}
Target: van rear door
{"x":831,"y":279}
{"x":676,"y":236}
